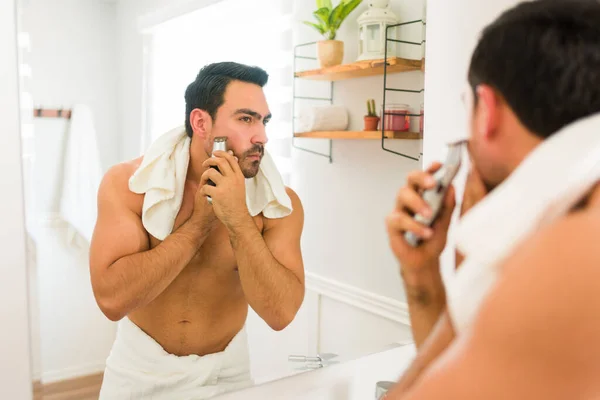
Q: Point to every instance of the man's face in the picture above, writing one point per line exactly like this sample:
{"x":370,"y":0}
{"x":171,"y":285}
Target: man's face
{"x":242,"y":119}
{"x":486,"y":144}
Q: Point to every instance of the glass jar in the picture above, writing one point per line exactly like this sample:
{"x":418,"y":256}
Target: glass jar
{"x":396,"y":117}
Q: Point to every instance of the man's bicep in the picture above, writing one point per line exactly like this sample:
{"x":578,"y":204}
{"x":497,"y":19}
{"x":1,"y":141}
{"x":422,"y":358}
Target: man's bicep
{"x":528,"y":340}
{"x":283,"y":238}
{"x":118,"y":232}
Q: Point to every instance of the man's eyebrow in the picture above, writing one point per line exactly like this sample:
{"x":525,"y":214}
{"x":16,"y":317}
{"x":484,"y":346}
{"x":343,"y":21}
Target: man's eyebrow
{"x":252,"y":113}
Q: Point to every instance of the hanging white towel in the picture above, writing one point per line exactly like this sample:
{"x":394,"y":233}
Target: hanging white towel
{"x":547,"y":184}
{"x":81,"y":177}
{"x":161,"y":178}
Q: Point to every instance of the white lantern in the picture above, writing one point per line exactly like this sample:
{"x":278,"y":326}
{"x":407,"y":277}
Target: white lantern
{"x":372,"y":30}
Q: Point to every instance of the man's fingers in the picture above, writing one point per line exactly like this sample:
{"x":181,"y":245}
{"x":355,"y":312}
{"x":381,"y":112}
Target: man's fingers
{"x":420,"y":180}
{"x":434,"y":167}
{"x":231,"y":160}
{"x":219,"y":162}
{"x":211,"y":174}
{"x":411,"y":201}
{"x":208,"y":190}
{"x":401,"y":222}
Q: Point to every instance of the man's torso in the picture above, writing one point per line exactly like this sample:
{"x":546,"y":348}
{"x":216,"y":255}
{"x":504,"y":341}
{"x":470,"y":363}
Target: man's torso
{"x":204,"y":307}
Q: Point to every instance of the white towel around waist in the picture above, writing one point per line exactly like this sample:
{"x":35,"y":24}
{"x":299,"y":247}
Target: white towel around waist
{"x":547,"y":184}
{"x":138,"y":368}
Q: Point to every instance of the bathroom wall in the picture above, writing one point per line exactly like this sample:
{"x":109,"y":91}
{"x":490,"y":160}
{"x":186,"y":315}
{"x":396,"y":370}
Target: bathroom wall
{"x":346,"y":202}
{"x":73,"y":53}
{"x":15,"y":369}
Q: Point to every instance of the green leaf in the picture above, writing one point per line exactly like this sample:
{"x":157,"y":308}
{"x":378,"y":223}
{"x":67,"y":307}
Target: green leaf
{"x":317,"y":27}
{"x":349,"y":7}
{"x":335,"y":19}
{"x":324,"y":4}
{"x":322,"y":15}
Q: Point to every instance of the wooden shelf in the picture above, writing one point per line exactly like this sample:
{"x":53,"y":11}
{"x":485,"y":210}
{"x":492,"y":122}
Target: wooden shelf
{"x":360,"y":135}
{"x":361,"y":69}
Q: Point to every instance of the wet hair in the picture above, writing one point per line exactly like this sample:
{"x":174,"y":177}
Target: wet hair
{"x":543,"y":57}
{"x":208,"y":89}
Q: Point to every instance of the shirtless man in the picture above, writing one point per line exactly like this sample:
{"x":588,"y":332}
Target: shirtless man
{"x":190,"y":293}
{"x":534,"y":71}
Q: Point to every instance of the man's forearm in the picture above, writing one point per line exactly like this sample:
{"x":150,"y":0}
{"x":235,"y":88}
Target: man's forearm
{"x":272,"y":290}
{"x":426,"y":298}
{"x":134,"y":281}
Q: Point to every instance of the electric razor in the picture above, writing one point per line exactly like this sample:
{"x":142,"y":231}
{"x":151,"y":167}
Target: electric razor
{"x":434,"y":197}
{"x":219,"y":144}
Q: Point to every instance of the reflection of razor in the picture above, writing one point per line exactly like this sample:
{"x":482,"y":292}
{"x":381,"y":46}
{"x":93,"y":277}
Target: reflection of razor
{"x":434,"y":197}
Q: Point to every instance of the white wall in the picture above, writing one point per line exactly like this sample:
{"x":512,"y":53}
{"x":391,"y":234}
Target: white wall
{"x":453,"y":29}
{"x":15,"y":370}
{"x":346,"y":202}
{"x":73,"y":60}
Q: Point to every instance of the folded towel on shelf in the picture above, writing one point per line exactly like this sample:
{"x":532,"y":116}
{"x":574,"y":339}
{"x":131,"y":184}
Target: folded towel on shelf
{"x":324,"y":118}
{"x":161,"y":178}
{"x":545,"y":186}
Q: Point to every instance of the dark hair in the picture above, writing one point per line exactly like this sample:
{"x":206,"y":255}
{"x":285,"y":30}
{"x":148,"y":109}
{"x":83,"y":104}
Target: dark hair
{"x":543,"y":57}
{"x":208,"y":89}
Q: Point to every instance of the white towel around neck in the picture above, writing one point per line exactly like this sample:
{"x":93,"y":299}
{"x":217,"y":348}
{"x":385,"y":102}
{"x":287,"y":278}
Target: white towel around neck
{"x":547,"y":184}
{"x":162,"y":174}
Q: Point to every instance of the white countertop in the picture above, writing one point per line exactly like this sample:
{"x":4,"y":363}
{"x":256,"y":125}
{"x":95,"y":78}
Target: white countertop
{"x":352,"y":380}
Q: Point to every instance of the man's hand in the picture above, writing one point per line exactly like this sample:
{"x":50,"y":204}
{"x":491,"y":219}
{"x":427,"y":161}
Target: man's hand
{"x":408,"y":203}
{"x":229,"y":194}
{"x":203,"y":214}
{"x":420,"y":266}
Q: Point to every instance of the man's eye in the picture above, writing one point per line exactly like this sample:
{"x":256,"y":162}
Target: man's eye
{"x":266,"y":121}
{"x":246,"y":119}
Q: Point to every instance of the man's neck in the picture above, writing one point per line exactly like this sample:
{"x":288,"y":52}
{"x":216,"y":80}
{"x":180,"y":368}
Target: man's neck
{"x":197,"y":158}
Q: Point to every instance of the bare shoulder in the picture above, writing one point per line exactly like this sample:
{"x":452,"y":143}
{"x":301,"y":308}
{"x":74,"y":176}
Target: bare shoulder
{"x":115,"y":185}
{"x":295,"y":218}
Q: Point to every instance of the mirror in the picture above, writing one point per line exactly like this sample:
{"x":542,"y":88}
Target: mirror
{"x":102,"y":80}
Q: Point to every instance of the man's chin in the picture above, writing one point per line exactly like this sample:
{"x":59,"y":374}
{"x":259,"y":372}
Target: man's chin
{"x":250,"y":171}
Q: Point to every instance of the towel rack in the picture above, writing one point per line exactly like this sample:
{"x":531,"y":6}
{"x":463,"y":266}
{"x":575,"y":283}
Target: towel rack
{"x":52,"y":113}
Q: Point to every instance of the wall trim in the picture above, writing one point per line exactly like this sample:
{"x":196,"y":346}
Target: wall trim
{"x":73,"y":372}
{"x":382,"y":306}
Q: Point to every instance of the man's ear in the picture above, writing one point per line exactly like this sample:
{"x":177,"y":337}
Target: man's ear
{"x":201,"y":123}
{"x":487,"y":112}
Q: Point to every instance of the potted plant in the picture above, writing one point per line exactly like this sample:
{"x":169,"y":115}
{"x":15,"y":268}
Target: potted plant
{"x":330,"y":52}
{"x":371,"y":119}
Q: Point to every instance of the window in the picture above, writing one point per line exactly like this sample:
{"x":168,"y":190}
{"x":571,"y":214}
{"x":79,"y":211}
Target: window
{"x":254,"y":32}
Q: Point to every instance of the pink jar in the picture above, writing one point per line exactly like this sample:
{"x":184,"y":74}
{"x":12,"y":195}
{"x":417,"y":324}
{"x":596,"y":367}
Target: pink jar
{"x":396,"y":117}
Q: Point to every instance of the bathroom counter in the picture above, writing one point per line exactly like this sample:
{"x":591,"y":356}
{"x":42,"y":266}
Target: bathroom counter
{"x":352,"y":380}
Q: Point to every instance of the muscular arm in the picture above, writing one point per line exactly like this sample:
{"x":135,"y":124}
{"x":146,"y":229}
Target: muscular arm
{"x":536,"y":336}
{"x":270,"y":266}
{"x":125,"y":274}
{"x":426,"y":299}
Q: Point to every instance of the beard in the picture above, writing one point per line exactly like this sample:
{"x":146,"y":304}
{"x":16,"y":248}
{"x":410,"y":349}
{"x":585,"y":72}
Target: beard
{"x":250,"y":166}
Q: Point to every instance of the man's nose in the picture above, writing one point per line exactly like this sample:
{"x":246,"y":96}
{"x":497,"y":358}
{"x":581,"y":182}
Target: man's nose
{"x":260,"y":136}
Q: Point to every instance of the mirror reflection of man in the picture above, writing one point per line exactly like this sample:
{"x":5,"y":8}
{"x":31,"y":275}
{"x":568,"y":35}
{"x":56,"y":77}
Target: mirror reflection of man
{"x":535,"y":70}
{"x":183,"y":301}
